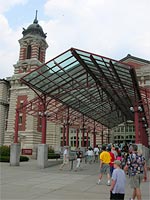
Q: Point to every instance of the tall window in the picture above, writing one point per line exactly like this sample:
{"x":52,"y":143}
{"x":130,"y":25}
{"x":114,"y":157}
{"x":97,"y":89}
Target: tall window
{"x":73,"y":141}
{"x":29,"y":52}
{"x":61,"y":141}
{"x":20,"y":119}
{"x":39,"y":55}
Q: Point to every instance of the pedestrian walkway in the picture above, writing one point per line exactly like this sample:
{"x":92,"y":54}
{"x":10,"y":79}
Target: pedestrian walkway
{"x":28,"y":182}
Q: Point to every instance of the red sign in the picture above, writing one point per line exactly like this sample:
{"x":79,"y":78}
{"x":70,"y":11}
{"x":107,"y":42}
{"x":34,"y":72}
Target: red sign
{"x":26,"y":151}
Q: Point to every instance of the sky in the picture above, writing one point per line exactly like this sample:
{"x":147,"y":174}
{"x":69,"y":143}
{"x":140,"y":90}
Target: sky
{"x":111,"y":28}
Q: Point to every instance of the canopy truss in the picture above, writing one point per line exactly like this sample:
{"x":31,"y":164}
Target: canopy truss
{"x":58,"y":113}
{"x":99,"y":88}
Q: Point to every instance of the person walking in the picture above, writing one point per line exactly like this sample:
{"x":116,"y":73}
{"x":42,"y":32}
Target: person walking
{"x":104,"y":165}
{"x":79,"y":159}
{"x":111,"y":160}
{"x":90,"y":155}
{"x":96,"y":153}
{"x":117,"y":188}
{"x":138,"y":171}
{"x":65,"y":158}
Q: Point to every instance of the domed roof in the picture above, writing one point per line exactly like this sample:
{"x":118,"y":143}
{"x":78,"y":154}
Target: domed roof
{"x":34,"y":29}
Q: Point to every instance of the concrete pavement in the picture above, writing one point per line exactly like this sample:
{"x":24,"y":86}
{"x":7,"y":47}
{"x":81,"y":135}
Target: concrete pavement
{"x":27,"y":182}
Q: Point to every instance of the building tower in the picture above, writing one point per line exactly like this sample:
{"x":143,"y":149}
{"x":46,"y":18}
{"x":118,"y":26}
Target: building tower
{"x":4,"y":105}
{"x":33,"y":47}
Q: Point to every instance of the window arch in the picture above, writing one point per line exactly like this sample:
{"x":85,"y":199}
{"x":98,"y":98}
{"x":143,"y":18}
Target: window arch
{"x":29,"y":52}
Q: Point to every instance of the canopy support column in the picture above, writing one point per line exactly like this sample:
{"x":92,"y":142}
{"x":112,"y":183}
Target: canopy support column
{"x":44,"y":121}
{"x":94,"y":136}
{"x":67,"y":129}
{"x":136,"y":123}
{"x":77,"y":137}
{"x":63,"y":139}
{"x":87,"y":138}
{"x":102,"y":136}
{"x":16,"y":127}
{"x":83,"y":130}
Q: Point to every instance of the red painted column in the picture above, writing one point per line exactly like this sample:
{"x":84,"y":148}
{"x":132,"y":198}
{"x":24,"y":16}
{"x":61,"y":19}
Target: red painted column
{"x":136,"y":123}
{"x":102,"y":136}
{"x":83,"y":136}
{"x":87,"y":138}
{"x":108,"y":137}
{"x":67,"y":129}
{"x":141,"y":133}
{"x":77,"y":137}
{"x":146,"y":139}
{"x":94,"y":139}
{"x":64,"y":129}
{"x":94,"y":136}
{"x":44,"y":123}
{"x":67,"y":134}
{"x":16,"y":127}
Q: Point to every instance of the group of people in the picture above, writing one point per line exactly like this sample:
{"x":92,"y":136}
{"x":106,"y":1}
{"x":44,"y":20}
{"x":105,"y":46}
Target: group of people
{"x":78,"y":157}
{"x":92,"y":155}
{"x":115,"y":166}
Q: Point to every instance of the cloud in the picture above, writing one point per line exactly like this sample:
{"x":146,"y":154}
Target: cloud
{"x":9,"y":48}
{"x":98,"y":25}
{"x":111,"y":28}
{"x":6,"y":5}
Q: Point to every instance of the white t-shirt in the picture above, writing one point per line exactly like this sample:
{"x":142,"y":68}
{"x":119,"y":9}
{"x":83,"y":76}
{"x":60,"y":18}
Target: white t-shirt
{"x":90,"y":153}
{"x":96,"y":150}
{"x":65,"y":153}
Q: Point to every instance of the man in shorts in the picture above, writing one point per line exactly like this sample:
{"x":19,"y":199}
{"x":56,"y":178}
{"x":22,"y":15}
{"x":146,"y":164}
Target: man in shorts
{"x":138,"y":171}
{"x":65,"y":158}
{"x":104,"y":165}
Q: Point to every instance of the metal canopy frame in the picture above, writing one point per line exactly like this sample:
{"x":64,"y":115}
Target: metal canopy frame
{"x":99,"y":88}
{"x":58,"y":113}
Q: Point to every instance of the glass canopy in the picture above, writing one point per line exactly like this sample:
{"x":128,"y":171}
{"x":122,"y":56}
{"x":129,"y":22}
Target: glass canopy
{"x":99,"y":88}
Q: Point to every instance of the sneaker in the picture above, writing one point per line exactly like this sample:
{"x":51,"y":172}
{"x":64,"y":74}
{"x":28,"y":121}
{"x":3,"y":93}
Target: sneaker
{"x":99,"y":182}
{"x":108,"y":183}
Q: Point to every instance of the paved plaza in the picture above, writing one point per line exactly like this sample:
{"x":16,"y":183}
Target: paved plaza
{"x":27,"y":182}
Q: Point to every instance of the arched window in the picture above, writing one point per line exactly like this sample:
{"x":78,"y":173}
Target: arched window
{"x":29,"y":52}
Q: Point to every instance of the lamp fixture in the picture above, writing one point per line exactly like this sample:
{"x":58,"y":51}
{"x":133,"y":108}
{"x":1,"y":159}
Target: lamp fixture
{"x":140,"y":108}
{"x":131,"y":109}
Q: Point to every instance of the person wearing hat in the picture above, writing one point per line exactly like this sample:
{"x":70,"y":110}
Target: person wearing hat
{"x":117,"y":188}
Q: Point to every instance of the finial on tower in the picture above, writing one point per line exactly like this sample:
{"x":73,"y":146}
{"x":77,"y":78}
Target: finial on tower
{"x":35,"y":20}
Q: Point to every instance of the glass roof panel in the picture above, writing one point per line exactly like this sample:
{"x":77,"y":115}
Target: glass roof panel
{"x":91,"y":84}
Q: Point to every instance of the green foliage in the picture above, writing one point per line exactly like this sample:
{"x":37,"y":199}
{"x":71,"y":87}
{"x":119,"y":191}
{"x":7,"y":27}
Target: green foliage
{"x":23,"y":158}
{"x":7,"y":158}
{"x":5,"y":155}
{"x":4,"y":158}
{"x":50,"y":150}
{"x":4,"y":151}
{"x":53,"y":156}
